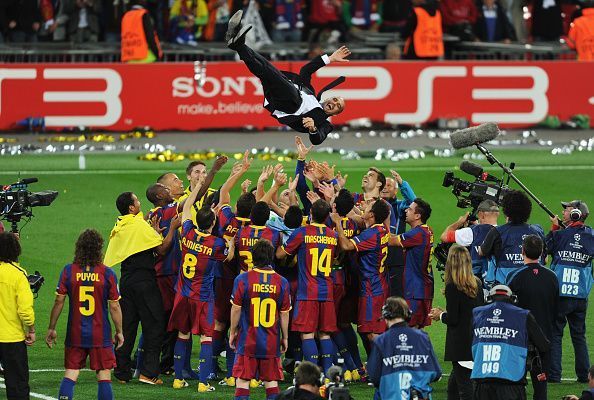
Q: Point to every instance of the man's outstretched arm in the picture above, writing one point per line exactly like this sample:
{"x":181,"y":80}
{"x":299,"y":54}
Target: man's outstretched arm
{"x":311,"y":67}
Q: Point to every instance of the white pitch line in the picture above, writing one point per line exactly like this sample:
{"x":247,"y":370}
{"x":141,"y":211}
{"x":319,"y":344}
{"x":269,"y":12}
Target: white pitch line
{"x":32,"y":394}
{"x":404,"y":168}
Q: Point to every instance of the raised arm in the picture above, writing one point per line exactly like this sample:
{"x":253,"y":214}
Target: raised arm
{"x":311,"y":67}
{"x":216,"y":167}
{"x":343,"y":242}
{"x":236,"y":174}
{"x":187,"y":207}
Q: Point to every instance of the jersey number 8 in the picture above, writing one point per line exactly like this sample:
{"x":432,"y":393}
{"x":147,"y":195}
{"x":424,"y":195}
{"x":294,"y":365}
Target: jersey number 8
{"x":189,"y":266}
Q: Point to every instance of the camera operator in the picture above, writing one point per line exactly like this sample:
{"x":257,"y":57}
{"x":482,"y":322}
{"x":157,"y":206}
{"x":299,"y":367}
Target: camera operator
{"x":17,"y":318}
{"x":502,"y":243}
{"x":308,"y":380}
{"x":586,"y":394}
{"x":537,"y":289}
{"x":572,"y":251}
{"x":473,"y":236}
{"x":402,"y":360}
{"x":501,"y":334}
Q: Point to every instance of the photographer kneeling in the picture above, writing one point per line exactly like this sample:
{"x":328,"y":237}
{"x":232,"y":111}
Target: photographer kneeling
{"x":395,"y":351}
{"x":308,"y":380}
{"x":17,"y":318}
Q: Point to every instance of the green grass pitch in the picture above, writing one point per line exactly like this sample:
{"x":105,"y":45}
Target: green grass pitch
{"x":87,"y":199}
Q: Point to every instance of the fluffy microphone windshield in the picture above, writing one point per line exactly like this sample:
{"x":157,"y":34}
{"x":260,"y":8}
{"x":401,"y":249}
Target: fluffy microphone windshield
{"x":474,"y":135}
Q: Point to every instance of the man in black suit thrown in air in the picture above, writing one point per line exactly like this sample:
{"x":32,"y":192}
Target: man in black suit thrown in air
{"x":289,"y":97}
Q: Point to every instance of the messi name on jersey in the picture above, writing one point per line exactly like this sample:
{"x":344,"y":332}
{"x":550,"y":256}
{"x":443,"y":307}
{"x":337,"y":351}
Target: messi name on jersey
{"x":197,"y":247}
{"x":264,"y":288}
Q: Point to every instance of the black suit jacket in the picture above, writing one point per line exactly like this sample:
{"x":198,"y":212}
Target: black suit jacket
{"x":458,"y":318}
{"x":319,"y":116}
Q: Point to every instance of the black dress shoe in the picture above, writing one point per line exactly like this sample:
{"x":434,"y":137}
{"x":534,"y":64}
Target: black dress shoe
{"x":234,"y":25}
{"x":239,"y":39}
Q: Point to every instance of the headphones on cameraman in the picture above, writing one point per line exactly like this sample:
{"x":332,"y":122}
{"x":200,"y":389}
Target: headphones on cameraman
{"x":319,"y":382}
{"x":399,"y":312}
{"x":576,"y":214}
{"x":501,"y":290}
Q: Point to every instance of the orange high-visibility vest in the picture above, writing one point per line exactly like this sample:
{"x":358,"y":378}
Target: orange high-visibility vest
{"x":134,"y":44}
{"x":581,"y":34}
{"x":428,"y":35}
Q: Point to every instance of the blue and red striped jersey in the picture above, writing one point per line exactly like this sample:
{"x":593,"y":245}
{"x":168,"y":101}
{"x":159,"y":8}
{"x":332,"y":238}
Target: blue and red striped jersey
{"x":169,"y":264}
{"x":202,"y":255}
{"x":229,"y":223}
{"x":418,"y":272}
{"x":344,"y":259}
{"x":262,"y":295}
{"x":315,"y":246}
{"x":372,"y":251}
{"x":359,"y":199}
{"x":246,"y":238}
{"x":227,"y":226}
{"x":88,"y":290}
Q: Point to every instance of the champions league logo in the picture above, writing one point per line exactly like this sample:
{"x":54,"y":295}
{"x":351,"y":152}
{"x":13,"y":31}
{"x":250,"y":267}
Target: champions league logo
{"x":576,"y":245}
{"x":403,"y":346}
{"x":496,"y":319}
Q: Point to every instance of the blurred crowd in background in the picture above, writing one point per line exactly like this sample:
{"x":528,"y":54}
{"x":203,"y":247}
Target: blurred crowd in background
{"x":190,"y":22}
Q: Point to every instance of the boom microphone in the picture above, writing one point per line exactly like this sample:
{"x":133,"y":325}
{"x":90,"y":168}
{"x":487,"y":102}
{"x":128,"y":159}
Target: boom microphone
{"x":477,"y":171}
{"x":334,"y":374}
{"x":27,"y":181}
{"x":474,"y":135}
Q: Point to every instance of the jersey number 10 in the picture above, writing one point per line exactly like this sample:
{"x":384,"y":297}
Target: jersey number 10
{"x":264,"y":312}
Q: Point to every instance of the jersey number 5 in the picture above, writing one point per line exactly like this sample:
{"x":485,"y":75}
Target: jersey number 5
{"x":264,"y":312}
{"x":321,"y":262}
{"x":85,"y":294}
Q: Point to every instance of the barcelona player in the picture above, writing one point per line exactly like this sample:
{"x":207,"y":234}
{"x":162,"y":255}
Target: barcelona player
{"x":193,"y":307}
{"x":248,"y":235}
{"x":346,"y":290}
{"x":165,"y":215}
{"x":92,"y":289}
{"x":260,"y":311}
{"x":372,"y":249}
{"x":228,"y":224}
{"x":418,"y":273}
{"x":315,"y":246}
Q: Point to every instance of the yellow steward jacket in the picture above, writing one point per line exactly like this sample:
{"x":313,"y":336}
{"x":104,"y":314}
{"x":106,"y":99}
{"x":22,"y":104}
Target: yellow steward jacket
{"x":16,"y":303}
